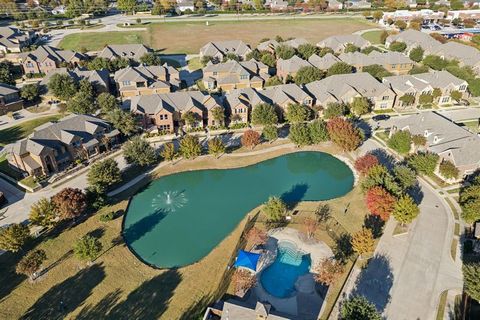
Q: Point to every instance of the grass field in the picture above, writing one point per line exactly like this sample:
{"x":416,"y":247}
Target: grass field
{"x":22,"y":130}
{"x":189,"y":37}
{"x":373,"y":36}
{"x":117,"y":284}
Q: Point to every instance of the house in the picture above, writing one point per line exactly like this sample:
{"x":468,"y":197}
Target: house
{"x":424,"y":84}
{"x":165,"y":110}
{"x":393,"y":62}
{"x":343,"y":88}
{"x":268,"y":45}
{"x":238,"y":310}
{"x":46,"y":58}
{"x":240,"y":103}
{"x":335,"y":5}
{"x":464,"y":14}
{"x":413,"y":38}
{"x":295,"y":42}
{"x":465,"y":55}
{"x":100,"y":79}
{"x":278,"y":5}
{"x":125,"y":51}
{"x":54,"y":146}
{"x":426,"y":16}
{"x":283,"y":95}
{"x":184,"y":5}
{"x":59,"y":10}
{"x":145,"y":80}
{"x":290,"y":66}
{"x":13,"y":39}
{"x":445,"y":138}
{"x":339,"y":43}
{"x":323,"y":63}
{"x":235,"y":75}
{"x":219,"y":49}
{"x":10,"y":100}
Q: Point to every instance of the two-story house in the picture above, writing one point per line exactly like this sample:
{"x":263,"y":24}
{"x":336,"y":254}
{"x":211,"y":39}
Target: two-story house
{"x":9,"y":99}
{"x":46,"y":58}
{"x":220,"y":49}
{"x":393,"y":62}
{"x":13,"y":39}
{"x":124,"y":51}
{"x":291,"y":66}
{"x":339,"y":43}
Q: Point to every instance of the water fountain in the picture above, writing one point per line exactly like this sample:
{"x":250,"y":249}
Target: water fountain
{"x":169,"y":200}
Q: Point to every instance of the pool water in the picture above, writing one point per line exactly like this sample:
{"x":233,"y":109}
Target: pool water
{"x":279,"y":278}
{"x":178,"y":219}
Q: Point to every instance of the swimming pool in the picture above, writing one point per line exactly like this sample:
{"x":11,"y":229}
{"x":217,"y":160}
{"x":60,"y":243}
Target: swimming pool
{"x":178,"y":219}
{"x":279,"y":278}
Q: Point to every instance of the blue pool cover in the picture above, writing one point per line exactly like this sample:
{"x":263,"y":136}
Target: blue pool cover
{"x":247,"y":259}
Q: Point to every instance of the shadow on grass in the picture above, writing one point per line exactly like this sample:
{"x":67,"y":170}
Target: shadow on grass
{"x":343,"y":247}
{"x":67,"y":296}
{"x":375,"y":224}
{"x":148,"y":301}
{"x":11,"y":135}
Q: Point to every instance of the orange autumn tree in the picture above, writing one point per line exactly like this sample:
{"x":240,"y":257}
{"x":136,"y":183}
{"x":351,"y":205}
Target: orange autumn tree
{"x":380,"y":202}
{"x":250,"y":139}
{"x":328,"y":271}
{"x":344,"y":134}
{"x":364,"y":163}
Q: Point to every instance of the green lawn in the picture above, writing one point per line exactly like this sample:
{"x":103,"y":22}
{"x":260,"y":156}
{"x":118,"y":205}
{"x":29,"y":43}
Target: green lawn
{"x":22,"y":130}
{"x":441,"y":305}
{"x":373,"y":36}
{"x":95,"y":41}
{"x":194,"y":64}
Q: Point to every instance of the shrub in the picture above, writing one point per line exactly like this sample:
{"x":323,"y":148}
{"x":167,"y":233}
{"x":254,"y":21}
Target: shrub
{"x":400,"y":141}
{"x":448,"y":170}
{"x":250,"y":139}
{"x":365,"y":163}
{"x":31,"y":263}
{"x":423,"y":162}
{"x":87,"y":248}
{"x":107,"y":216}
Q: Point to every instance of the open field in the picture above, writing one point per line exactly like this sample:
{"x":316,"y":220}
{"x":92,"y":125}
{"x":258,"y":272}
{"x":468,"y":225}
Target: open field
{"x":117,"y":284}
{"x":189,"y":37}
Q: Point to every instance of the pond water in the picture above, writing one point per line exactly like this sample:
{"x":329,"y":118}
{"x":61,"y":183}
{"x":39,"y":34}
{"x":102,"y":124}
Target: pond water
{"x":178,"y":219}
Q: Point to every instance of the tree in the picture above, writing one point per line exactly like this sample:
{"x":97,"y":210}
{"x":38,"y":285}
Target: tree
{"x":107,"y":102}
{"x":335,"y":109}
{"x":275,"y":209}
{"x":103,"y":174}
{"x":257,"y":237}
{"x":325,"y":50}
{"x":405,"y":210}
{"x":243,"y":281}
{"x":400,"y":24}
{"x":310,"y":226}
{"x":471,"y":270}
{"x":377,"y":71}
{"x":14,"y":236}
{"x":168,"y":151}
{"x":126,"y":5}
{"x":350,"y":47}
{"x":306,"y":50}
{"x":318,"y":131}
{"x":418,"y":70}
{"x":218,"y":114}
{"x":360,"y":106}
{"x":31,"y":263}
{"x":416,"y":54}
{"x":407,"y":99}
{"x":397,"y":46}
{"x":190,"y":147}
{"x":377,"y":15}
{"x":400,"y":141}
{"x":344,"y":134}
{"x":456,"y":95}
{"x":474,"y":87}
{"x":470,"y":201}
{"x":300,"y":134}
{"x":435,"y":62}
{"x":425,"y":99}
{"x":124,"y":121}
{"x":380,"y":202}
{"x":190,"y":118}
{"x":231,"y":56}
{"x":30,"y":92}
{"x":423,"y":162}
{"x":328,"y":271}
{"x":81,"y":103}
{"x":250,"y":139}
{"x":270,"y":132}
{"x":383,"y":36}
{"x":43,"y":213}
{"x":6,"y":73}
{"x":62,"y":86}
{"x":70,"y":203}
{"x":87,"y":248}
{"x":365,"y":163}
{"x":339,"y":68}
{"x":307,"y":74}
{"x":150,"y":59}
{"x":359,"y":308}
{"x":284,"y":52}
{"x":273,"y":81}
{"x":363,"y":242}
{"x":405,"y":176}
{"x":216,"y":146}
{"x":298,"y":113}
{"x":264,"y":114}
{"x":448,"y":170}
{"x":419,"y":141}
{"x":269,"y":60}
{"x":139,"y":152}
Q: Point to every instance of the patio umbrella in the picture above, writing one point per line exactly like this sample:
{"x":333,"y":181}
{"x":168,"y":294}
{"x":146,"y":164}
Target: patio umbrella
{"x":247,"y":260}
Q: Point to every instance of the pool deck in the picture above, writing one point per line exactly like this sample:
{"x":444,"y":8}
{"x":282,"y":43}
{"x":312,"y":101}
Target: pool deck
{"x":306,"y":303}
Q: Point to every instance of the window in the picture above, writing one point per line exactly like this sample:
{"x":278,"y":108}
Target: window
{"x":445,"y":99}
{"x":394,"y":66}
{"x":126,"y":83}
{"x":383,"y":106}
{"x":244,"y":77}
{"x":462,"y":87}
{"x":385,"y":98}
{"x":215,"y":73}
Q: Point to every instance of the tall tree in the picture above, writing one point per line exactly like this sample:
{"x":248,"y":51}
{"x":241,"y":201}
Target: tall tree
{"x":62,"y":86}
{"x":264,"y":114}
{"x":14,"y":236}
{"x":31,"y":263}
{"x":405,"y":210}
{"x":70,"y":203}
{"x":307,"y":74}
{"x":30,"y":92}
{"x":318,"y":131}
{"x":328,"y":271}
{"x":103,"y":174}
{"x":335,"y":109}
{"x":190,"y":147}
{"x":380,"y":202}
{"x":471,"y":270}
{"x":275,"y":209}
{"x":400,"y":141}
{"x":470,"y":201}
{"x":250,"y":139}
{"x":364,"y":163}
{"x":343,"y":133}
{"x":298,"y":113}
{"x":218,"y":114}
{"x":124,"y":121}
{"x":339,"y":68}
{"x":306,"y":50}
{"x":360,"y":106}
{"x":216,"y":146}
{"x":138,"y":151}
{"x":300,"y":134}
{"x":43,"y":213}
{"x":126,"y":5}
{"x":359,"y":308}
{"x":107,"y":102}
{"x":270,"y":132}
{"x":416,"y":54}
{"x":284,"y":52}
{"x":87,"y":248}
{"x":168,"y":151}
{"x":363,"y":242}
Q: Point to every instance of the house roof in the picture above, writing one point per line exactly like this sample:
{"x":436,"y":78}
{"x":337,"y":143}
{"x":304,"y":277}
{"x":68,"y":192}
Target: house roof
{"x":268,"y":45}
{"x":7,"y":89}
{"x":296,"y":42}
{"x":126,"y":51}
{"x":151,"y":74}
{"x":44,"y":52}
{"x":246,"y":96}
{"x":343,"y":87}
{"x":419,"y":82}
{"x":466,"y":55}
{"x":375,"y":57}
{"x":324,"y":62}
{"x":12,"y":37}
{"x":338,"y":42}
{"x":96,"y":77}
{"x":236,"y":310}
{"x":443,"y":136}
{"x":283,"y":94}
{"x":292,"y":65}
{"x":222,"y":48}
{"x":413,"y":38}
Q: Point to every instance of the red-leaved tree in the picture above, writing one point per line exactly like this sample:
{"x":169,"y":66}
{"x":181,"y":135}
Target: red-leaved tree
{"x":250,"y":139}
{"x":380,"y":202}
{"x":70,"y":203}
{"x":257,"y":236}
{"x":364,"y":163}
{"x":344,"y":134}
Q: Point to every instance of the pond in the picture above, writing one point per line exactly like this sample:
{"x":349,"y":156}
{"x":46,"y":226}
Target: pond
{"x":178,"y":219}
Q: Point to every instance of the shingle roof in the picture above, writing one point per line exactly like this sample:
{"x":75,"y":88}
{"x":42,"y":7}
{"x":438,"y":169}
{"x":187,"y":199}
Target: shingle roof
{"x":96,"y":77}
{"x":413,"y":38}
{"x":11,"y":37}
{"x":375,"y":57}
{"x":126,"y":51}
{"x":215,"y":48}
{"x":453,"y":50}
{"x":267,"y":45}
{"x":338,"y":42}
{"x":419,"y":82}
{"x":7,"y":89}
{"x":175,"y":101}
{"x":296,"y":42}
{"x":292,"y":65}
{"x":283,"y":93}
{"x":43,"y":52}
{"x":324,"y":62}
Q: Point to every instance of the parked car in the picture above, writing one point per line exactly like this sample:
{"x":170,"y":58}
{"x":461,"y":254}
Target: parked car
{"x":381,"y":117}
